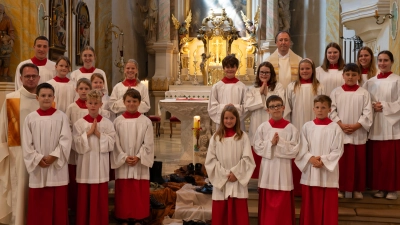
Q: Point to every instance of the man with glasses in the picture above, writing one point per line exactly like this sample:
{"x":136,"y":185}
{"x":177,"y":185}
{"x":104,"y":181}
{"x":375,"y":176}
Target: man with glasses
{"x":13,"y":173}
{"x":46,"y":67}
{"x":284,"y":60}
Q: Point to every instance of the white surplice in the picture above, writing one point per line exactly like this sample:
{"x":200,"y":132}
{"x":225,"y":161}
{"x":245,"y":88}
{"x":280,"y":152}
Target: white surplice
{"x":13,"y":174}
{"x":46,"y":72}
{"x":386,"y":125}
{"x":227,"y":156}
{"x":325,"y":141}
{"x":360,"y":111}
{"x":116,"y":103}
{"x":47,"y":135}
{"x":64,"y":94}
{"x":276,"y":164}
{"x":299,"y":104}
{"x":331,"y":79}
{"x":93,"y":152}
{"x":255,"y":103}
{"x":77,"y":74}
{"x":134,"y":137}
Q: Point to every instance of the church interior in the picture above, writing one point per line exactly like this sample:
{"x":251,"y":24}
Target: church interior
{"x":179,"y":46}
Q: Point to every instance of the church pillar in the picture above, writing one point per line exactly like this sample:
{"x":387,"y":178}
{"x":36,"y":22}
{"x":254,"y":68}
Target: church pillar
{"x":269,"y":25}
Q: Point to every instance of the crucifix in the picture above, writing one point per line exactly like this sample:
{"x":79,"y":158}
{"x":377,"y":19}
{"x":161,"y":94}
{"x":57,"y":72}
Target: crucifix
{"x":217,"y":44}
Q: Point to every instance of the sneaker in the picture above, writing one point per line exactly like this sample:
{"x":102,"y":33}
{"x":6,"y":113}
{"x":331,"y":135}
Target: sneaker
{"x":392,"y":195}
{"x":379,"y":194}
{"x":358,"y":195}
{"x":340,"y":194}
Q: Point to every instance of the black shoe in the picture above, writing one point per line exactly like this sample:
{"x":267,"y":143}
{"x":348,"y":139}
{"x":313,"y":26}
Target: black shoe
{"x":156,"y":173}
{"x":190,"y":169}
{"x":197,"y":169}
{"x":206,"y":189}
{"x":177,"y":179}
{"x":154,"y":204}
{"x":190,"y":180}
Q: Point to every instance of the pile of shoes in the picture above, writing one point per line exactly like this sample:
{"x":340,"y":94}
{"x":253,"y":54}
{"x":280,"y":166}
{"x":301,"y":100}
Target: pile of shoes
{"x":154,"y":204}
{"x":196,"y":222}
{"x":187,"y":173}
{"x":206,"y":189}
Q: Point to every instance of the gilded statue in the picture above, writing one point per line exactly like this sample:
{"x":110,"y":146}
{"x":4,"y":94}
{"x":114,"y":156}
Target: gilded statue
{"x":251,"y":28}
{"x":183,"y":29}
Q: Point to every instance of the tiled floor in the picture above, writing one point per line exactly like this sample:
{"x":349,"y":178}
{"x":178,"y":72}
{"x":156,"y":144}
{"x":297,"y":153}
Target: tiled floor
{"x":168,"y":151}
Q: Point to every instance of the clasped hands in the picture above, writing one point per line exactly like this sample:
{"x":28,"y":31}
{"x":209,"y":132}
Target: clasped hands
{"x":47,"y":160}
{"x":93,"y":129}
{"x":316,"y":161}
{"x":377,"y":106}
{"x":264,"y":89}
{"x":349,"y":128}
{"x":132,"y":160}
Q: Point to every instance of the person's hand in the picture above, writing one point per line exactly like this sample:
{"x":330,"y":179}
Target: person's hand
{"x":232,"y":177}
{"x":275,"y":139}
{"x":96,"y":130}
{"x":263,"y":87}
{"x":43,"y":164}
{"x":135,"y":160}
{"x":92,"y":128}
{"x":49,"y":159}
{"x":316,"y":161}
{"x":377,"y":107}
{"x":129,"y":160}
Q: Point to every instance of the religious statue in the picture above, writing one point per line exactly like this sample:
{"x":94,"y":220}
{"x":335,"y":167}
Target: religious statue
{"x":6,"y":26}
{"x":202,"y":36}
{"x":5,"y":54}
{"x":183,"y":29}
{"x":204,"y":59}
{"x":150,"y":20}
{"x":284,"y":15}
{"x":251,"y":28}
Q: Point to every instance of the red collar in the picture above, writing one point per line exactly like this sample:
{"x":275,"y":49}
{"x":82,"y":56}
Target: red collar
{"x":334,"y":66}
{"x":230,"y":80}
{"x":229,"y":132}
{"x":302,"y":81}
{"x":384,"y":75}
{"x":282,"y":123}
{"x":91,"y":119}
{"x":61,"y":80}
{"x":129,"y":83}
{"x":39,"y":62}
{"x":129,"y":115}
{"x":364,"y":70}
{"x":324,"y":121}
{"x":81,"y":103}
{"x":84,"y":70}
{"x":350,"y":88}
{"x":47,"y":112}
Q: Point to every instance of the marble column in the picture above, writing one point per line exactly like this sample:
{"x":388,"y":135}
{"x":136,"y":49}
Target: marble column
{"x":269,"y":13}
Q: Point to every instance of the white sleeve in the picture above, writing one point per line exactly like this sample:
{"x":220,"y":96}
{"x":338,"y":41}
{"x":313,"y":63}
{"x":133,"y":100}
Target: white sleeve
{"x":333,"y":115}
{"x":288,"y":149}
{"x":32,"y":157}
{"x":391,"y":110}
{"x":216,"y":173}
{"x":146,"y":151}
{"x":246,"y":165}
{"x":367,"y":115}
{"x":304,"y":154}
{"x":107,"y":138}
{"x":214,"y":107}
{"x":80,"y":138}
{"x":63,"y":148}
{"x":331,"y":160}
{"x":144,"y":106}
{"x":262,"y":146}
{"x":116,"y":104}
{"x":253,"y":100}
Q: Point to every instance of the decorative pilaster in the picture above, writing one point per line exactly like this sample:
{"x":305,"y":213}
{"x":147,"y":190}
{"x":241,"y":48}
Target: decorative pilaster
{"x":332,"y":21}
{"x":270,"y":11}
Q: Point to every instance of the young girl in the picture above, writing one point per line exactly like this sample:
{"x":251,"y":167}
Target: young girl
{"x":63,"y":86}
{"x":264,"y":86}
{"x":88,"y":57}
{"x":94,"y":138}
{"x":229,"y":164}
{"x":116,"y":102}
{"x":384,"y":135}
{"x":330,"y":73}
{"x":98,"y":83}
{"x":300,"y":96}
{"x":132,"y":157}
{"x":366,"y":62}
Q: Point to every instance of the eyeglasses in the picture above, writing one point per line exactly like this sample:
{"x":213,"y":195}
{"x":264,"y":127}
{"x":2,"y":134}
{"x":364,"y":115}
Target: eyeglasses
{"x":275,"y":107}
{"x":28,"y":77}
{"x":265,"y":73}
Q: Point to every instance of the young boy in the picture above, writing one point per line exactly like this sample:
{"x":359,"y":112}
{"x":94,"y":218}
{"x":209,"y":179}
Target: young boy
{"x":132,"y":158}
{"x":46,"y":147}
{"x":355,"y":122}
{"x":321,"y":146}
{"x":94,"y":138}
{"x":227,"y":91}
{"x":277,"y":142}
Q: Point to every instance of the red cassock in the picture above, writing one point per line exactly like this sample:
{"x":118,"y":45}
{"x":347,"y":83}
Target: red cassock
{"x":72,"y":187}
{"x":276,"y":207}
{"x":352,"y":168}
{"x":92,"y":208}
{"x":232,"y":211}
{"x":257,"y":160}
{"x":48,"y":206}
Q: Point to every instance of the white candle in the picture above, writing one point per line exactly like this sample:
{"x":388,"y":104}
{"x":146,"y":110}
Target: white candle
{"x":196,"y":122}
{"x":146,"y":83}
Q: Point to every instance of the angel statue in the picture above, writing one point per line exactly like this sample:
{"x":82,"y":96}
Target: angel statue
{"x":183,"y":29}
{"x":251,"y":27}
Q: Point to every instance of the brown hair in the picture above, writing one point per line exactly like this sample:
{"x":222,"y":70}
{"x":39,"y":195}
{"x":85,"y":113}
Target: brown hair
{"x":94,"y":94}
{"x":96,"y":75}
{"x":85,"y":81}
{"x":65,"y":58}
{"x":372,"y":70}
{"x":133,"y":93}
{"x":315,"y":82}
{"x":322,"y":99}
{"x":230,"y":61}
{"x":325,"y":64}
{"x":272,"y":79}
{"x":221,"y":129}
{"x":87,"y":47}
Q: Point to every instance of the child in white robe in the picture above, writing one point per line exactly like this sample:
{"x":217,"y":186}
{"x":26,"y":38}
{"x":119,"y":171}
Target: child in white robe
{"x":300,"y":95}
{"x":46,"y":147}
{"x":384,"y":135}
{"x":321,"y":146}
{"x":94,"y":139}
{"x":131,"y":80}
{"x":329,"y":74}
{"x":98,"y":83}
{"x":229,"y":164}
{"x":229,"y":90}
{"x":355,"y":122}
{"x":131,"y":159}
{"x":64,"y":88}
{"x":277,"y":142}
{"x":265,"y":85}
{"x":88,"y":57}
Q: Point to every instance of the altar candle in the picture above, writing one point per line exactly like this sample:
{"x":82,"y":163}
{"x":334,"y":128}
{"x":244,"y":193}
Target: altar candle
{"x":376,"y":13}
{"x":196,"y":122}
{"x":146,"y":83}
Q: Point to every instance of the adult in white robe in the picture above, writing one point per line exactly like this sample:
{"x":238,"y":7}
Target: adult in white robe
{"x":64,"y":92}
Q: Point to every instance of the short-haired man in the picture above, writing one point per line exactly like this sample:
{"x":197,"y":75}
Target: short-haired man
{"x":47,"y":68}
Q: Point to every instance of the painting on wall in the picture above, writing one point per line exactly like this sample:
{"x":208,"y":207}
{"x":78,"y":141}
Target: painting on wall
{"x":82,"y":30}
{"x":58,"y":31}
{"x":202,"y":8}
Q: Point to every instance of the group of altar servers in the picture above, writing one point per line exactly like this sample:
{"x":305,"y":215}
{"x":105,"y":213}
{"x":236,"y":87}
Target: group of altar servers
{"x":71,"y":136}
{"x":304,"y":143}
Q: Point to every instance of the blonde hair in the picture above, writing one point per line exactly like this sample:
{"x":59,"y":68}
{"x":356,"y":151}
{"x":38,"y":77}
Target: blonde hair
{"x":94,"y":94}
{"x":315,"y":82}
{"x":221,"y":129}
{"x":136,"y":64}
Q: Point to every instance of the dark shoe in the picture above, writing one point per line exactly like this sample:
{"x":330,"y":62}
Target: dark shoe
{"x":156,"y":173}
{"x":198,"y":169}
{"x":190,"y":180}
{"x":206,"y":189}
{"x":177,"y":179}
{"x":154,"y":204}
{"x":190,"y":169}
